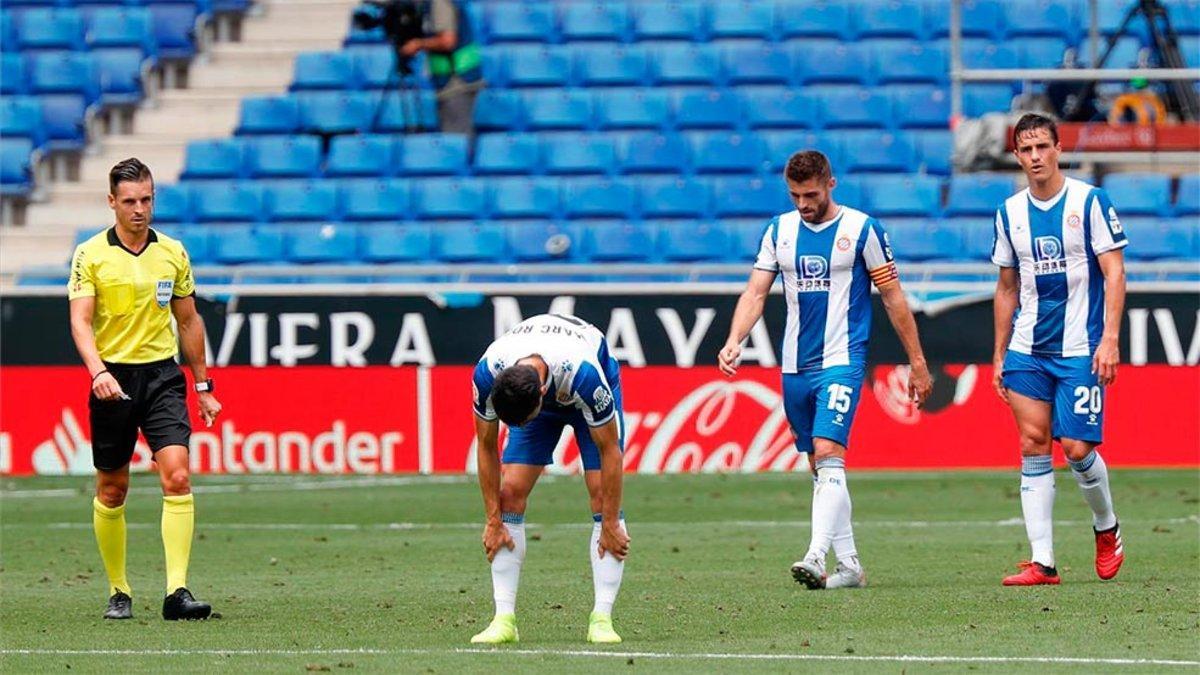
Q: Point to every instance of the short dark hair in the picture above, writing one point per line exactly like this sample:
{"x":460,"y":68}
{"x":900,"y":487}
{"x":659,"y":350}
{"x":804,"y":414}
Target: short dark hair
{"x":807,"y":164}
{"x":516,"y":394}
{"x":128,"y":171}
{"x":1031,"y":121}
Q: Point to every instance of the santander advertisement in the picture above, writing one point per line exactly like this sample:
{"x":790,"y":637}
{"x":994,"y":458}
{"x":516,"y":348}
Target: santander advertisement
{"x":382,"y":420}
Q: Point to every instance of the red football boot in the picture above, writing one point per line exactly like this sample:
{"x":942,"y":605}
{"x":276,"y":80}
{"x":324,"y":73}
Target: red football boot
{"x":1033,"y":574}
{"x":1110,"y":552}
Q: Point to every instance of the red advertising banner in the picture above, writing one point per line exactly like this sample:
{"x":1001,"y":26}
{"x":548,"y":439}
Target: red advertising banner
{"x":378,"y":419}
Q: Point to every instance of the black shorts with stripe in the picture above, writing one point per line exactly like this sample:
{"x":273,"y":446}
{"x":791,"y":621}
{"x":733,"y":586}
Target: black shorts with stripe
{"x":157,"y":406}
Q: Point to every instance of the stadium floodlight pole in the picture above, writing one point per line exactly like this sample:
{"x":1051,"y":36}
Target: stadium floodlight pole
{"x":956,"y":66}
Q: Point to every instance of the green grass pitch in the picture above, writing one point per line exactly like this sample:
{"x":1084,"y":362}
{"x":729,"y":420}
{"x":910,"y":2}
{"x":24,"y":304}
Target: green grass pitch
{"x":388,"y":574}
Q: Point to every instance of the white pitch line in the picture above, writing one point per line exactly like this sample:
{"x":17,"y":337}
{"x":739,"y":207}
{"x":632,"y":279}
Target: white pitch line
{"x":260,"y":486}
{"x":722,"y":656}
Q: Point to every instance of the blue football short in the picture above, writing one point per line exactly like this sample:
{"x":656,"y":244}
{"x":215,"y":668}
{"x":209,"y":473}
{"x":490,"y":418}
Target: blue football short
{"x":821,"y":403}
{"x":534,"y":441}
{"x":1068,"y":384}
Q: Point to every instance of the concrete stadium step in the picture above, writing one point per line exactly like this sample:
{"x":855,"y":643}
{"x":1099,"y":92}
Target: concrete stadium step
{"x":35,"y":248}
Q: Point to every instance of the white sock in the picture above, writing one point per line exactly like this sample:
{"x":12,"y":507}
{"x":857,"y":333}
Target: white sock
{"x":843,"y":537}
{"x":831,"y":504}
{"x":606,"y":571}
{"x":1092,"y":475}
{"x":1037,"y":504}
{"x":506,"y":566}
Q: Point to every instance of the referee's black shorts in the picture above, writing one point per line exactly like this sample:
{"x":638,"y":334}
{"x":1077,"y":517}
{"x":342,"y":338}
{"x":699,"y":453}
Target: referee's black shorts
{"x":157,"y":405}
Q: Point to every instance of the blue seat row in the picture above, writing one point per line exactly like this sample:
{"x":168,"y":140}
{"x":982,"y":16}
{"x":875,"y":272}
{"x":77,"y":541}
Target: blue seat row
{"x":166,"y":29}
{"x":1149,"y":194}
{"x":334,"y":112}
{"x":52,"y":121}
{"x":16,"y":175}
{"x":107,"y":76}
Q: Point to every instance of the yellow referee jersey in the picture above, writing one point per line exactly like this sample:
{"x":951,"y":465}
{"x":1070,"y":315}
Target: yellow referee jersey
{"x":133,"y":292}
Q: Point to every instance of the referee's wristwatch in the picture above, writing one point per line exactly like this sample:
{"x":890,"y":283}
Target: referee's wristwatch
{"x":205,"y":386}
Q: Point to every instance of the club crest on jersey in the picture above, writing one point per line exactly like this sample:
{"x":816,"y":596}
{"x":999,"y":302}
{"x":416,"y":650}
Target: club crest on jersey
{"x":843,"y":243}
{"x":1048,"y":257}
{"x":1113,"y":222}
{"x":163,"y":293}
{"x":1073,"y":220}
{"x":813,"y":273}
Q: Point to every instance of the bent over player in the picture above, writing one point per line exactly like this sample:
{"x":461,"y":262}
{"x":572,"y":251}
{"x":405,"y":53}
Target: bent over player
{"x":829,"y":256}
{"x":1062,"y":271}
{"x":549,"y":372}
{"x":125,"y":285}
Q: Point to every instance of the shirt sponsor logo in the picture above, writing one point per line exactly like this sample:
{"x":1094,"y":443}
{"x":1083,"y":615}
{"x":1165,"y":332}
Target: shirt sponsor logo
{"x":163,"y":293}
{"x":1048,"y":256}
{"x":814,"y":274}
{"x":1113,"y":222}
{"x":602,"y":398}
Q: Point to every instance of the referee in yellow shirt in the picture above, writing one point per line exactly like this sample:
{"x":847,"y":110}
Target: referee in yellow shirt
{"x":125,"y":284}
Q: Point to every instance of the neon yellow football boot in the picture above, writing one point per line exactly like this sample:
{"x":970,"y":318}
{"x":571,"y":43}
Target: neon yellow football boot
{"x":502,"y":630}
{"x":600,"y":629}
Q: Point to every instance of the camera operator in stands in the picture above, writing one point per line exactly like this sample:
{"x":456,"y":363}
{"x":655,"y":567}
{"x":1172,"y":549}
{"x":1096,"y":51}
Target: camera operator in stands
{"x":441,"y":29}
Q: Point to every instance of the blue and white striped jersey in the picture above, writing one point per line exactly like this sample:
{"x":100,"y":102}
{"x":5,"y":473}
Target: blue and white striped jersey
{"x":827,"y":273}
{"x":1054,"y":245}
{"x":581,"y":369}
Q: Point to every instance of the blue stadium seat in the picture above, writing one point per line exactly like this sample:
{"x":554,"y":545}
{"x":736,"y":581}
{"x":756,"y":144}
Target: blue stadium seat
{"x":226,"y":201}
{"x":499,"y":110}
{"x":368,"y":199}
{"x":360,"y":155}
{"x":121,"y":27}
{"x":599,"y":197}
{"x":21,"y":117}
{"x":64,"y":73}
{"x":871,"y":151}
{"x":433,"y":154}
{"x":12,"y":74}
{"x":63,"y":121}
{"x":618,"y":242}
{"x":196,"y":241}
{"x":978,"y":194}
{"x":269,"y":115}
{"x":326,"y":243}
{"x":977,"y":234}
{"x":935,"y":148}
{"x":724,"y":152}
{"x":120,"y":75}
{"x":651,"y":152}
{"x":579,"y":154}
{"x":1158,"y":239}
{"x":335,"y":112}
{"x":1129,"y":52}
{"x":920,"y":106}
{"x":323,"y":70}
{"x":1187,"y":202}
{"x":409,"y":112}
{"x":815,"y":19}
{"x":905,"y":195}
{"x":540,"y":241}
{"x":247,"y":244}
{"x":706,"y":109}
{"x":685,"y":63}
{"x":8,"y":32}
{"x":1146,"y":194}
{"x":987,"y":54}
{"x":1185,"y":16}
{"x":758,"y":64}
{"x":599,"y":20}
{"x":831,"y":62}
{"x":524,"y":198}
{"x":520,"y":21}
{"x":16,"y":175}
{"x":692,"y":242}
{"x":742,"y":19}
{"x":283,"y":157}
{"x":449,"y":199}
{"x":851,"y":107}
{"x":627,"y":108}
{"x":1044,"y":18}
{"x":537,"y":66}
{"x":1043,"y":52}
{"x":173,"y":204}
{"x":782,"y":144}
{"x":558,"y":109}
{"x":215,"y":158}
{"x":611,"y":65}
{"x":911,"y":61}
{"x":890,"y":19}
{"x":299,"y":200}
{"x":673,"y":197}
{"x":507,"y":154}
{"x":849,"y":191}
{"x":410,"y":243}
{"x":980,"y":99}
{"x":672,"y":20}
{"x":778,"y":108}
{"x":175,"y":30}
{"x":374,"y":66}
{"x":470,"y":243}
{"x":980,"y":18}
{"x":740,"y":196}
{"x":745,"y":236}
{"x":49,"y":28}
{"x":921,"y":239}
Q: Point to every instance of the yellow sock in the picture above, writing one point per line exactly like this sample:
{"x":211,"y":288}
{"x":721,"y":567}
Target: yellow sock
{"x":109,"y":524}
{"x":178,"y":521}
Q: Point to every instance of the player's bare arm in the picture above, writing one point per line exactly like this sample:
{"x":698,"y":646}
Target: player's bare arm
{"x":919,"y":381}
{"x":613,"y":538}
{"x":1004,"y":306}
{"x":191,"y":341}
{"x":487,"y":455}
{"x":1108,"y":353}
{"x":749,"y":310}
{"x":104,"y":385}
